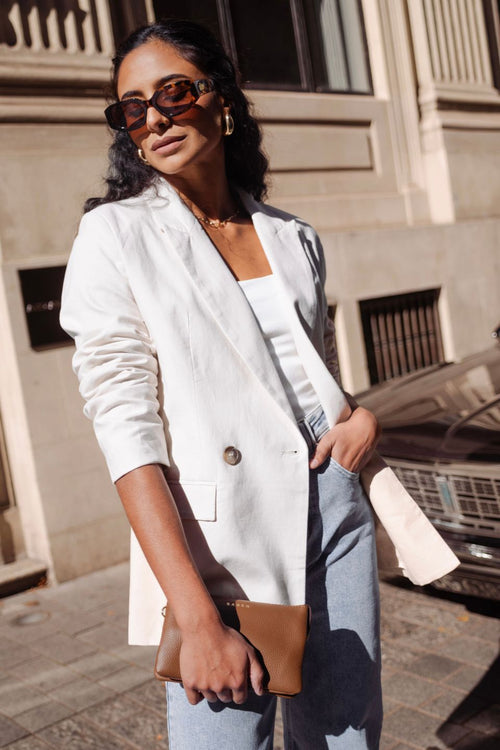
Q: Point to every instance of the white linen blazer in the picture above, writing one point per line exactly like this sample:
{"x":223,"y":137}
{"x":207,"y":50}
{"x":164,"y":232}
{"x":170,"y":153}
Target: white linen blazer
{"x":173,"y":369}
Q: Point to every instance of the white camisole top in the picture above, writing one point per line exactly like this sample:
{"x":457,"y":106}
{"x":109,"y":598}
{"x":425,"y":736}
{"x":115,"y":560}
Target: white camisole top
{"x":263,"y":297}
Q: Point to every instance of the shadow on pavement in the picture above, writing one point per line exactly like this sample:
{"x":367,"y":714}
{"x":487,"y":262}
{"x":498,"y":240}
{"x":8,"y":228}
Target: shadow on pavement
{"x":481,"y":710}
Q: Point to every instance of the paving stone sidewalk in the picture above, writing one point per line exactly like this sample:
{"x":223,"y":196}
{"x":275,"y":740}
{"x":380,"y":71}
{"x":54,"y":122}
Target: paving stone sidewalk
{"x":69,"y":680}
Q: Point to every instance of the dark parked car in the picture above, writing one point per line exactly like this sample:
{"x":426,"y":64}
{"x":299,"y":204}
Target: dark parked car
{"x":441,"y":435}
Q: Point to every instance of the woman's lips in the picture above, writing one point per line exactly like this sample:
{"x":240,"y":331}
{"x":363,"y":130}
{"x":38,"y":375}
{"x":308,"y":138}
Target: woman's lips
{"x":166,"y":145}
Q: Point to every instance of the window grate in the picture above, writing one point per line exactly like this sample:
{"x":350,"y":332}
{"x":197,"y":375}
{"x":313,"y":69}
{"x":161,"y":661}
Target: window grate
{"x":402,"y":333}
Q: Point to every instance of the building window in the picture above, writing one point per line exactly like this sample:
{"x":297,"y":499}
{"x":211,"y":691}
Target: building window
{"x":125,"y":17}
{"x":307,"y":45}
{"x":402,"y":333}
{"x":41,"y":289}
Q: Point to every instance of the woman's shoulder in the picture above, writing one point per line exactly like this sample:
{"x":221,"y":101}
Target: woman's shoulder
{"x":126,"y":207}
{"x":117,"y":218}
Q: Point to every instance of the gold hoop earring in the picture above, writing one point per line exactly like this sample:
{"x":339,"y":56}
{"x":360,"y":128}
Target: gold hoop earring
{"x":229,"y":130}
{"x":142,"y":155}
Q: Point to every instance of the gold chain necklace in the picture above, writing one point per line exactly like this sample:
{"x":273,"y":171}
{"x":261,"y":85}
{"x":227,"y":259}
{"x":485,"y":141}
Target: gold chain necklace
{"x":217,"y":223}
{"x":202,"y":218}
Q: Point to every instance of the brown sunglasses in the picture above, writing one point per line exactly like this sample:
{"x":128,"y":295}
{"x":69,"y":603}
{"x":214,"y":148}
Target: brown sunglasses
{"x":172,"y":99}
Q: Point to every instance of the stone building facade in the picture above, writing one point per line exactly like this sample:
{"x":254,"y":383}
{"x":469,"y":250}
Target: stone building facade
{"x":387,"y":140}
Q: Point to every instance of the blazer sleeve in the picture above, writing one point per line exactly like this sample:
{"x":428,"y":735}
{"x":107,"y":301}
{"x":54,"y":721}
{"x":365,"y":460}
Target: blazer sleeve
{"x":114,"y":359}
{"x":329,"y":346}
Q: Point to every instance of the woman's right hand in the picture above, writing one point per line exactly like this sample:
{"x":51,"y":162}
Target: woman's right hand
{"x":217,"y":663}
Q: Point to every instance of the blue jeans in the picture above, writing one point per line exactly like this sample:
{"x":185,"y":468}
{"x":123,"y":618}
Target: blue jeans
{"x":340,"y":705}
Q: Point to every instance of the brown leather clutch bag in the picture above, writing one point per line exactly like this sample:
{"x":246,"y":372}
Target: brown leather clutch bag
{"x":277,"y":632}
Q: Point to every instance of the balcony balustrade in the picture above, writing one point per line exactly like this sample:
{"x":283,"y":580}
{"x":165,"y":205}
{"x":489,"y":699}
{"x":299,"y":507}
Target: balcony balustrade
{"x":56,"y":42}
{"x":452,"y":50}
{"x":71,"y":26}
{"x":458,"y":42}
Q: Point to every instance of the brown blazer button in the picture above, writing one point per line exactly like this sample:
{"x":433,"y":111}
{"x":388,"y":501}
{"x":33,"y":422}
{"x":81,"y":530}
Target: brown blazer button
{"x":232,"y":455}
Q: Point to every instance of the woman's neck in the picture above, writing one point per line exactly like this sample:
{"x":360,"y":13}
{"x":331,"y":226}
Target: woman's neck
{"x":208,"y":194}
{"x":213,"y":205}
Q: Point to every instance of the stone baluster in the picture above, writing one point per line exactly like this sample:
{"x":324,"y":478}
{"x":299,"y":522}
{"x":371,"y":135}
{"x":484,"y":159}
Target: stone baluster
{"x":15,"y":20}
{"x":91,"y":45}
{"x":53,"y":35}
{"x":71,"y":33}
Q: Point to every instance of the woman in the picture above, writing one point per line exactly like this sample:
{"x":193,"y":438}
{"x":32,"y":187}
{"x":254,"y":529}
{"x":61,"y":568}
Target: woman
{"x":207,"y":365}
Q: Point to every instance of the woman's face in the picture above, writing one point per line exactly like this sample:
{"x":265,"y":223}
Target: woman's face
{"x":173,"y":147}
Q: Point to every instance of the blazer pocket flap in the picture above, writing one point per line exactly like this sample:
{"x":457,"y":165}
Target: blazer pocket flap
{"x":195,"y":501}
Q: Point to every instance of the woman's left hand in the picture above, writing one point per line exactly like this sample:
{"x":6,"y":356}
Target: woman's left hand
{"x":350,"y":443}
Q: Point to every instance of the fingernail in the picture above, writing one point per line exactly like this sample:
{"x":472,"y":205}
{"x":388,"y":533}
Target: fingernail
{"x":314,"y":463}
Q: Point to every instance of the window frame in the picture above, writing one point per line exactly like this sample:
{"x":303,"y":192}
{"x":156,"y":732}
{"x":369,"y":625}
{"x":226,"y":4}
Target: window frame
{"x":303,"y":46}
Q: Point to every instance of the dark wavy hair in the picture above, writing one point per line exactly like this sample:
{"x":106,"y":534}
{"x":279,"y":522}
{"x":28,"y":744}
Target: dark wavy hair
{"x":246,"y":164}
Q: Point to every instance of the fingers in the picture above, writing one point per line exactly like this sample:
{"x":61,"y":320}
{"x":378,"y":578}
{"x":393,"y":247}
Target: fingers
{"x":225,"y":677}
{"x":209,"y":695}
{"x":240,"y":695}
{"x":350,"y":443}
{"x":225,"y":696}
{"x":193,"y":696}
{"x":323,"y":451}
{"x":256,"y":675}
{"x":237,"y":693}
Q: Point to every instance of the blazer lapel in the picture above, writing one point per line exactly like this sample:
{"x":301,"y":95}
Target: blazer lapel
{"x":214,"y":281}
{"x":289,"y":262}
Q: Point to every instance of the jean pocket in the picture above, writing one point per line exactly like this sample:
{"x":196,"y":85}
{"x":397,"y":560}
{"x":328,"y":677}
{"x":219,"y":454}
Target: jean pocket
{"x":338,"y":467}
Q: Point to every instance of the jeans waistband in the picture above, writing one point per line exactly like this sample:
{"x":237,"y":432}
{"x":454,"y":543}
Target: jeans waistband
{"x":313,"y":426}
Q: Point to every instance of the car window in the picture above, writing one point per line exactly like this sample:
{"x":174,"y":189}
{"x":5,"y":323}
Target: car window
{"x":476,"y":439}
{"x":443,"y":397}
{"x":449,"y":415}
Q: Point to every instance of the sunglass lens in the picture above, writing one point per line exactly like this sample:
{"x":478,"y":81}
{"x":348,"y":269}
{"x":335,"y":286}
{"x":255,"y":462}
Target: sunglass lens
{"x":127,"y":115}
{"x":114,"y":116}
{"x":175,"y":98}
{"x":133,"y":114}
